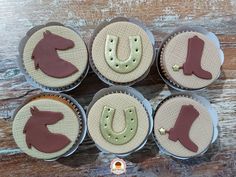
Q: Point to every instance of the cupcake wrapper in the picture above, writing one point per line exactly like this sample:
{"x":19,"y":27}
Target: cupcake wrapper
{"x":159,"y":62}
{"x":82,"y":122}
{"x":131,"y":92}
{"x":29,"y":79}
{"x":99,"y":28}
{"x":203,"y":101}
{"x":76,"y":107}
{"x":161,"y":68}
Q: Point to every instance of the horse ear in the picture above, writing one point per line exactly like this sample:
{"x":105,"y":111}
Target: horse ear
{"x":46,"y":33}
{"x":34,"y":110}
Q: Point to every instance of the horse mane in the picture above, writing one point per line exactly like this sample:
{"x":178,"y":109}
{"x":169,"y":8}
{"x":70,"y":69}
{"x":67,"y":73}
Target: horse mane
{"x":34,"y":110}
{"x":38,"y":49}
{"x":35,"y":56}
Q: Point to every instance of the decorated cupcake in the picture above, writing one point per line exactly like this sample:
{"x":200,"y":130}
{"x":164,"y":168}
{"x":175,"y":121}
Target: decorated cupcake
{"x":53,"y":57}
{"x":119,"y":120}
{"x":122,"y":51}
{"x":190,"y":58}
{"x":48,"y":126}
{"x":185,"y":125}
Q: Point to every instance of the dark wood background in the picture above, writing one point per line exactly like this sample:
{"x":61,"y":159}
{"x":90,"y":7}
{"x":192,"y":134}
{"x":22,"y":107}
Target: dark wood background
{"x":161,"y":17}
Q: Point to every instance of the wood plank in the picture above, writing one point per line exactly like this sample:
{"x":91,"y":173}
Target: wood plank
{"x":161,"y":17}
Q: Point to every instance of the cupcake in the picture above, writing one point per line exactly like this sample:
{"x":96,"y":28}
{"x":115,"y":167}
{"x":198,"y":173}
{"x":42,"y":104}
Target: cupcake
{"x":119,"y":120}
{"x":185,"y":125}
{"x":190,"y":58}
{"x":53,"y":57}
{"x":122,"y":51}
{"x":48,"y":126}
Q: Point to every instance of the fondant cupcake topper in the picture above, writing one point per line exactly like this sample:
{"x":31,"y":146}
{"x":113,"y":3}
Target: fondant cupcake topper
{"x":129,"y":64}
{"x":184,"y":125}
{"x":126,"y":134}
{"x":122,"y":126}
{"x":190,"y":59}
{"x":122,"y":51}
{"x":41,"y":124}
{"x":53,"y":57}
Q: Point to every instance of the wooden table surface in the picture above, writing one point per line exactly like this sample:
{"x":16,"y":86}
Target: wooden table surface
{"x":161,"y":17}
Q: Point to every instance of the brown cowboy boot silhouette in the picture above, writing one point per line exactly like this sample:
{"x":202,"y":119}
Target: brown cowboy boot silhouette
{"x":193,"y":59}
{"x":182,"y":126}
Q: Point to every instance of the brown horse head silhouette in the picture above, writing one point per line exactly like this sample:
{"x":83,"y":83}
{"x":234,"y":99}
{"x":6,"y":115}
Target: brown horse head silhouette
{"x":38,"y":135}
{"x":46,"y":58}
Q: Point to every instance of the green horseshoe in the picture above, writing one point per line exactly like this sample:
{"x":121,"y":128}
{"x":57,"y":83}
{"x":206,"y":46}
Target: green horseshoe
{"x":124,"y":136}
{"x":129,"y":64}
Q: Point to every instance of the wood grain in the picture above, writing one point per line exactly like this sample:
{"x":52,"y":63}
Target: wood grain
{"x":161,"y":17}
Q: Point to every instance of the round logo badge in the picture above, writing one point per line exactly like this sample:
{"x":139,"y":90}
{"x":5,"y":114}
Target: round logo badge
{"x":118,"y":166}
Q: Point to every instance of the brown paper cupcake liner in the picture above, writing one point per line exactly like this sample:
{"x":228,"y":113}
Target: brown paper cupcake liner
{"x":130,"y":92}
{"x":106,"y":23}
{"x":211,"y":112}
{"x":74,"y":105}
{"x":28,"y":77}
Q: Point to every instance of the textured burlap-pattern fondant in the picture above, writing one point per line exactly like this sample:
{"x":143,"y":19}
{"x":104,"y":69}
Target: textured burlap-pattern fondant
{"x":120,"y":102}
{"x":175,"y":52}
{"x":201,"y":131}
{"x":77,"y":55}
{"x":122,"y":30}
{"x":68,"y":126}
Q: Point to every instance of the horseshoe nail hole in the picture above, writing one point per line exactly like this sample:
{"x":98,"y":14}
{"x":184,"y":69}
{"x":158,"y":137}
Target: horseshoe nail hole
{"x":111,"y":40}
{"x":132,"y":119}
{"x":117,"y":65}
{"x":111,"y":58}
{"x":110,"y":50}
{"x":109,"y":135}
{"x":105,"y":125}
{"x":124,"y":136}
{"x":130,"y":111}
{"x":135,"y":39}
{"x":107,"y":117}
{"x":109,"y":109}
{"x":134,"y":60}
{"x":136,"y":50}
{"x":126,"y":66}
{"x":116,"y":139}
{"x":131,"y":129}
